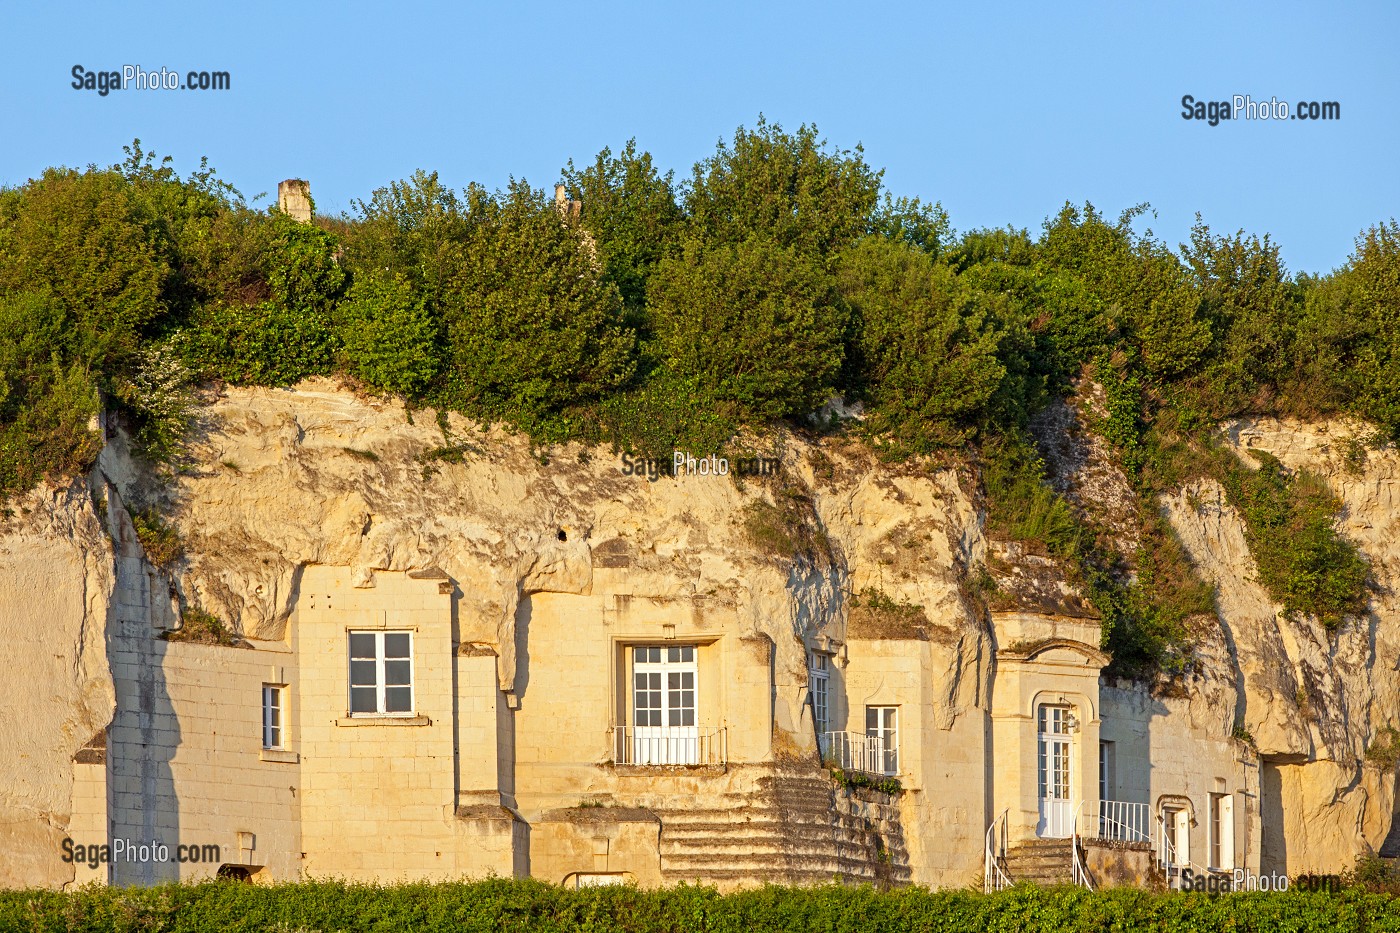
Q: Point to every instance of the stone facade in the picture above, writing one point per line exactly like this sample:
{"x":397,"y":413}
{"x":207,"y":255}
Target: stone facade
{"x":548,"y":776}
{"x":607,"y":681}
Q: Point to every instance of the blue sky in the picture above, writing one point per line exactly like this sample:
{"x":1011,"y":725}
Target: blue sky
{"x":1000,"y":111}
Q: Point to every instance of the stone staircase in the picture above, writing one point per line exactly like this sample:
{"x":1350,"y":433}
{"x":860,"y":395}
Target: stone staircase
{"x":1040,"y":861}
{"x":797,"y":828}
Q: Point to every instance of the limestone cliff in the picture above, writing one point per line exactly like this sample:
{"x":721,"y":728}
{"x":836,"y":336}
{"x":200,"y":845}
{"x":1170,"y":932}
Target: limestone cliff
{"x":1310,"y":701}
{"x":56,"y":587}
{"x":285,"y":479}
{"x":318,"y":476}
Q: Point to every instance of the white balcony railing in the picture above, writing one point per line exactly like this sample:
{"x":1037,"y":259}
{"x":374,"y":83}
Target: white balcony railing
{"x":673,"y":745}
{"x":1121,"y":821}
{"x":856,"y":751}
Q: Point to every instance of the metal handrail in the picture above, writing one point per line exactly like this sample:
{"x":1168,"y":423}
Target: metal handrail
{"x":1078,"y":870}
{"x":993,"y":877}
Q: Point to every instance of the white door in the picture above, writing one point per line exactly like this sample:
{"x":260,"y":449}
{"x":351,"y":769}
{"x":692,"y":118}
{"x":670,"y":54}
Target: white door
{"x":1224,"y":825}
{"x":1175,"y":846}
{"x":1053,"y":766}
{"x":1182,"y":838}
{"x":663,"y":706}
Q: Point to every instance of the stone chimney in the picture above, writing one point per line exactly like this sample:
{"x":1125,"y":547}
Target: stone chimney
{"x":568,"y":209}
{"x":294,"y":199}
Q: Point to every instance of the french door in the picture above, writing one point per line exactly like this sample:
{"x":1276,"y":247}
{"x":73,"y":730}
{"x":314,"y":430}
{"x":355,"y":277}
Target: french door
{"x":663,"y":705}
{"x":1053,"y":773}
{"x":882,"y":723}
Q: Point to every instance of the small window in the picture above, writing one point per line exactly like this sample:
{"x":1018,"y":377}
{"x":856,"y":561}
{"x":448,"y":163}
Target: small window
{"x":882,"y":723}
{"x":274,"y":713}
{"x":381,"y":673}
{"x":1106,"y":771}
{"x":819,"y":673}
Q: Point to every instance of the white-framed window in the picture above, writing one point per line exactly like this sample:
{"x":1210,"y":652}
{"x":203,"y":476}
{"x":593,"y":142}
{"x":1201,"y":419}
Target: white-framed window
{"x":664,"y":705}
{"x":882,"y":722}
{"x":819,"y":676}
{"x":381,"y":673}
{"x":1222,"y":832}
{"x":274,"y":700}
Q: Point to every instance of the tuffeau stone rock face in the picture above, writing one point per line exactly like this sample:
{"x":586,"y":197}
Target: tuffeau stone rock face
{"x":1312,"y":701}
{"x":287,"y":479}
{"x":56,"y":586}
{"x":318,"y":476}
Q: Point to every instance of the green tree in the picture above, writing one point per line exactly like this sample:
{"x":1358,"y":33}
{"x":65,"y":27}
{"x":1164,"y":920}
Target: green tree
{"x":928,"y":348}
{"x":414,"y":228}
{"x":532,"y":325}
{"x":300,"y":265}
{"x":911,"y":221}
{"x":630,"y":211}
{"x":182,"y":216}
{"x":788,"y":187}
{"x":1251,"y":309}
{"x":1142,"y":286}
{"x":388,"y":337}
{"x":45,"y":404}
{"x":759,"y":324}
{"x":1367,"y":334}
{"x":78,"y":237}
{"x":266,"y":343}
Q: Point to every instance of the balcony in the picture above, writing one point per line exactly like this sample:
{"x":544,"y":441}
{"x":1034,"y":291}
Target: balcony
{"x":856,"y":751}
{"x":669,"y":746}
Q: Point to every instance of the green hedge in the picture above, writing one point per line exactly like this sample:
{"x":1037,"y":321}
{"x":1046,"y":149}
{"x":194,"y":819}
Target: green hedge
{"x":502,"y":905}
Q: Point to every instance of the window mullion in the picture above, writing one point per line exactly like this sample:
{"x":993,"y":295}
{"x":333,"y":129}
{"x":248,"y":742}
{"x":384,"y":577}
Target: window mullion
{"x":379,"y":676}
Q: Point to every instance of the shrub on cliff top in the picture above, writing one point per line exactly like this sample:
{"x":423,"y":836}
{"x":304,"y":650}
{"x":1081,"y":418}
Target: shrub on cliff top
{"x":388,"y":336}
{"x":758,"y":324}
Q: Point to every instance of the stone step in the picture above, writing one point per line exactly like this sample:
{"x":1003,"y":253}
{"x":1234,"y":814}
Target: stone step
{"x":1034,"y":844}
{"x":776,"y":845}
{"x":714,"y":876}
{"x":1041,"y":862}
{"x":805,"y":830}
{"x":740,"y":844}
{"x":1046,"y":881}
{"x":1042,"y":855}
{"x":1017,"y":869}
{"x":811,"y":829}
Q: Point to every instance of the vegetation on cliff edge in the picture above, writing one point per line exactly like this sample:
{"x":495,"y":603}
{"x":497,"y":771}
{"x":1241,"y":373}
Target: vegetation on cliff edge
{"x":671,"y":314}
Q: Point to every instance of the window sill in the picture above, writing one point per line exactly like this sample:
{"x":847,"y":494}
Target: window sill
{"x":279,"y":754}
{"x":384,"y":721}
{"x":714,"y":767}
